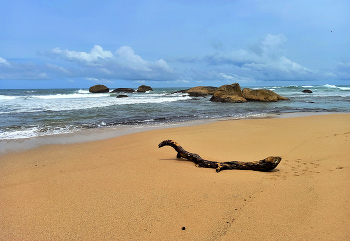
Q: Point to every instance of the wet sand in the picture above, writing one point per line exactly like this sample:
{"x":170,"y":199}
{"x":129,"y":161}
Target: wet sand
{"x":126,"y":188}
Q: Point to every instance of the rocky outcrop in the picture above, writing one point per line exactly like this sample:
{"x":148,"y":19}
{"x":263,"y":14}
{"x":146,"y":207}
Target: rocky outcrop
{"x":261,"y":95}
{"x":307,"y":91}
{"x":201,"y":91}
{"x":123,"y":90}
{"x":229,"y":93}
{"x":144,"y":88}
{"x":122,"y":96}
{"x":99,"y":89}
{"x":233,"y":93}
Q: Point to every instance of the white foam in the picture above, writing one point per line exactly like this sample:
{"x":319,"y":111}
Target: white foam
{"x":330,"y":86}
{"x":69,"y":96}
{"x":6,"y":97}
{"x":83,"y":91}
{"x":62,"y":102}
{"x":20,"y":134}
{"x":33,"y":132}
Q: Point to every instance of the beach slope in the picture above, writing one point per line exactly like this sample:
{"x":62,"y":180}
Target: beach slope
{"x":126,"y":188}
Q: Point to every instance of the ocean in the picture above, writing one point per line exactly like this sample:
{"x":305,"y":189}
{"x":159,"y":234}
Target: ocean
{"x":31,"y":113}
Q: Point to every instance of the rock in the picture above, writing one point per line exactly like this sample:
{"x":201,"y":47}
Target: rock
{"x":228,"y":93}
{"x":307,"y":91}
{"x":98,"y":89}
{"x":123,"y":90}
{"x":122,"y":96}
{"x":201,"y":91}
{"x":196,"y":94}
{"x":144,"y":88}
{"x":261,"y":95}
{"x":179,"y":91}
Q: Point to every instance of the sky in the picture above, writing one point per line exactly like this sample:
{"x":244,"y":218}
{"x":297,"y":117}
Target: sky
{"x":173,"y":43}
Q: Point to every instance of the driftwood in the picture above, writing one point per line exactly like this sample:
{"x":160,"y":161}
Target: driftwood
{"x":266,"y":164}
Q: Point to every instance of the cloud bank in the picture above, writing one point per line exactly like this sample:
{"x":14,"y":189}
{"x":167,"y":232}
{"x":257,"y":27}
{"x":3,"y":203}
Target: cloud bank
{"x":123,"y":64}
{"x":264,"y":61}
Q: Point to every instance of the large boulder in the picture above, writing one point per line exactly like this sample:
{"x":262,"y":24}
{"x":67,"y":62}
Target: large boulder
{"x":228,"y":93}
{"x":144,"y":88}
{"x":98,"y":89}
{"x":123,"y":90}
{"x":261,"y":95}
{"x":201,"y":91}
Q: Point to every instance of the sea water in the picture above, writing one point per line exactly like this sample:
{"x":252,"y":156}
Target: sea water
{"x":30,"y":113}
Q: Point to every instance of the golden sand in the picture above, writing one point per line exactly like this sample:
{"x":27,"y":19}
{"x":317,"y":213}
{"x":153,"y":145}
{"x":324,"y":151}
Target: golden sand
{"x":126,"y":188}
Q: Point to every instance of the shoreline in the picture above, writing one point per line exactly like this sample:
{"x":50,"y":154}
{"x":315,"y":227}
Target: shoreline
{"x":126,"y":188}
{"x":81,"y":136}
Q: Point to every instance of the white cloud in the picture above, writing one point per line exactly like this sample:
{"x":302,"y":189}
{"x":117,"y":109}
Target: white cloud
{"x":96,"y":54}
{"x":128,"y":59}
{"x":268,"y":56}
{"x":274,"y":40}
{"x":181,"y":80}
{"x":123,"y":64}
{"x":266,"y":60}
{"x":237,"y":79}
{"x":343,"y":70}
{"x":3,"y":61}
{"x":12,"y":70}
{"x":57,"y":68}
{"x":100,"y":81}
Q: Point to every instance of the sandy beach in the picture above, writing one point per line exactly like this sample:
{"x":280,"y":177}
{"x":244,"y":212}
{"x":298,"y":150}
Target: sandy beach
{"x":126,"y":188}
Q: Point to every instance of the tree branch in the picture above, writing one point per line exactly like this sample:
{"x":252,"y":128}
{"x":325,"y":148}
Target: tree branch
{"x":264,"y":165}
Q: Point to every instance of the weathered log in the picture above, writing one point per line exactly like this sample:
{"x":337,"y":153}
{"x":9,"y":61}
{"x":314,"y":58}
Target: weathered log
{"x":264,"y":165}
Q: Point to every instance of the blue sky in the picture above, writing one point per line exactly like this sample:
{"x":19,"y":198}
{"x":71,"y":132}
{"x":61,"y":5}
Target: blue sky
{"x":77,"y":44}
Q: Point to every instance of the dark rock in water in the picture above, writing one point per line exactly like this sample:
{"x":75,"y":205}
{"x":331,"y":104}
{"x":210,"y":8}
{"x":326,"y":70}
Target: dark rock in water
{"x":179,"y":91}
{"x":196,"y":94}
{"x":307,"y":91}
{"x":261,"y":95}
{"x":98,"y":89}
{"x":123,"y":90}
{"x":122,"y":96}
{"x":228,"y":93}
{"x":144,"y":88}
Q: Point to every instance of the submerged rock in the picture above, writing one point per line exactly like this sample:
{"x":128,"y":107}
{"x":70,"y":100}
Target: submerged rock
{"x":122,"y":96}
{"x":307,"y":91}
{"x":99,"y":89}
{"x":123,"y":90}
